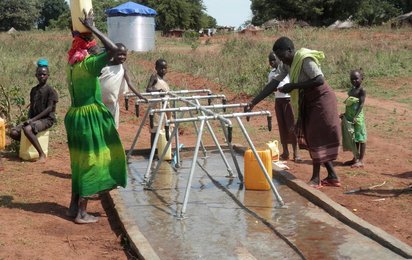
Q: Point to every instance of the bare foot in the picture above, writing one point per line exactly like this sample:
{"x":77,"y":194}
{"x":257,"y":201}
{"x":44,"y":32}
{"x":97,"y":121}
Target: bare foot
{"x":72,"y":212}
{"x":85,"y":219}
{"x":315,"y":184}
{"x":42,"y":159}
{"x":331,"y":182}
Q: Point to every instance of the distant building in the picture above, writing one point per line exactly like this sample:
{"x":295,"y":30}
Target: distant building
{"x":174,"y":33}
{"x":251,"y":29}
{"x":208,"y":32}
{"x":225,"y":29}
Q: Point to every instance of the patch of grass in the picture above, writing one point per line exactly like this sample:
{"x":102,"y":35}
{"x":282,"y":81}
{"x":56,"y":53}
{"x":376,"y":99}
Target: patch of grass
{"x":354,"y":173}
{"x":25,"y":241}
{"x":236,"y":62}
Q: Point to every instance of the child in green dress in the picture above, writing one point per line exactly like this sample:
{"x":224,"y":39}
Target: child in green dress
{"x":354,"y":114}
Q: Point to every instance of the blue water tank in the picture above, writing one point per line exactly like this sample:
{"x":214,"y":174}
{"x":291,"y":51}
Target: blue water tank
{"x":133,"y":25}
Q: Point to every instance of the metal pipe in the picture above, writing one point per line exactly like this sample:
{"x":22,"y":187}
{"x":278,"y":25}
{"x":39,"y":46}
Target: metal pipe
{"x":216,"y":117}
{"x":157,"y":93}
{"x":137,"y":134}
{"x":192,"y":170}
{"x":178,"y":98}
{"x":232,"y":152}
{"x":187,"y":100}
{"x":262,"y":167}
{"x":152,"y":151}
{"x":177,"y":142}
{"x":216,"y":141}
{"x":198,"y":107}
{"x":126,"y":102}
{"x":153,"y":175}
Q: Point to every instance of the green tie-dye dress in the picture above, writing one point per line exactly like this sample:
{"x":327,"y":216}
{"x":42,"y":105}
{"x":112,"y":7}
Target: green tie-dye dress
{"x":352,"y":104}
{"x":98,"y":160}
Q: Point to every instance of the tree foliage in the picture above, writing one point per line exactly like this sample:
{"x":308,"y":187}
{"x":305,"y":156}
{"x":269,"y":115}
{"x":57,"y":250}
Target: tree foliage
{"x":182,"y":14}
{"x":375,"y":12}
{"x":51,"y":10}
{"x":100,"y":7}
{"x":321,"y":12}
{"x":24,"y":14}
{"x":20,"y":14}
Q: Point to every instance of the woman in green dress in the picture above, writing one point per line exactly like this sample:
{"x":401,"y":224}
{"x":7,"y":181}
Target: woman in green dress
{"x":98,"y":161}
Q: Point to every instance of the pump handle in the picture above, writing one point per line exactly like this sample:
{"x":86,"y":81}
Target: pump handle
{"x":246,"y":110}
{"x":224,"y":102}
{"x":151,"y":121}
{"x":126,"y":103}
{"x":270,"y":123}
{"x":137,"y":109}
{"x":229,"y":133}
{"x":167,"y":133}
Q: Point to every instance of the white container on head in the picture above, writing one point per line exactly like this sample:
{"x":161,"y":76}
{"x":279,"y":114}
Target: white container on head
{"x":133,"y":25}
{"x":76,"y":10}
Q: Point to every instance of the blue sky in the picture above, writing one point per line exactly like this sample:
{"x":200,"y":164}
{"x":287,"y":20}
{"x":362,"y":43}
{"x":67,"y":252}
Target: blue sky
{"x":229,"y":12}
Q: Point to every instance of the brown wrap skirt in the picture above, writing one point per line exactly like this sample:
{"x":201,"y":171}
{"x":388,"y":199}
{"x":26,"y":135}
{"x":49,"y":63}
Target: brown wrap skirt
{"x":318,"y":127}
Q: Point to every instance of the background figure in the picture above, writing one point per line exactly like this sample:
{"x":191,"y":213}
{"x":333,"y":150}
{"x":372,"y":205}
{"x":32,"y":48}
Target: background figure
{"x":284,"y":114}
{"x":355,"y":116}
{"x":157,"y":83}
{"x":43,"y":99}
{"x":115,"y":81}
{"x":318,"y":128}
{"x":97,"y":157}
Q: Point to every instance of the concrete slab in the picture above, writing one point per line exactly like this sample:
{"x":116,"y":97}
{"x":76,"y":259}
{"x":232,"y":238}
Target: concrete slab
{"x":226,"y":221}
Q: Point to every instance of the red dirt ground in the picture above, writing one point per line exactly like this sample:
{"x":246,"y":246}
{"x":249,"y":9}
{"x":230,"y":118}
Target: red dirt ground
{"x":34,"y":197}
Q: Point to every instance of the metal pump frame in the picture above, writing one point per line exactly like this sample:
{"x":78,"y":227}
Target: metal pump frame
{"x":206,"y":116}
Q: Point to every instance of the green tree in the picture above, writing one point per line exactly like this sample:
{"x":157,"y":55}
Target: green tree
{"x":373,"y":12}
{"x":404,"y":5}
{"x":321,"y":12}
{"x":64,"y":22}
{"x":100,"y":7}
{"x":182,"y":14}
{"x":20,"y":14}
{"x":172,"y":14}
{"x":51,"y":10}
{"x":208,"y":21}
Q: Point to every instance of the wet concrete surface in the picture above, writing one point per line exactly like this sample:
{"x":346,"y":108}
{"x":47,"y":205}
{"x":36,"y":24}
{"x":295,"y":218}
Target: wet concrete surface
{"x":223,"y":220}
